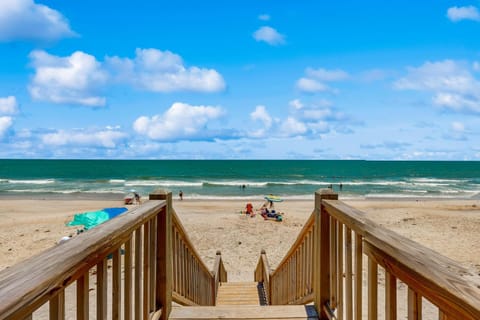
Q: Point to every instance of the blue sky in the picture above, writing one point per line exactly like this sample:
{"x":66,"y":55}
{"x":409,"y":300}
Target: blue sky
{"x":240,"y":79}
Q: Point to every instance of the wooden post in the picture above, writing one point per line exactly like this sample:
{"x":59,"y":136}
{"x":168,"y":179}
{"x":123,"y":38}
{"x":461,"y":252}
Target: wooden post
{"x":164,"y":272}
{"x":321,"y":254}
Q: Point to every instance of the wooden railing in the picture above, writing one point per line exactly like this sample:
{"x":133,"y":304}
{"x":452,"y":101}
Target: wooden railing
{"x":84,"y":260}
{"x":338,"y":257}
{"x":136,"y":263}
{"x":193,"y":283}
{"x":292,"y":280}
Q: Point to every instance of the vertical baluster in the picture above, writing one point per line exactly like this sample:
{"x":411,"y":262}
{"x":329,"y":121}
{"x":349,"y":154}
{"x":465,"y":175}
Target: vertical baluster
{"x":340,"y":305}
{"x":414,"y":305}
{"x":138,"y":273}
{"x":372,"y":290}
{"x":146,"y":269}
{"x":82,"y":296}
{"x":153,"y":260}
{"x":127,"y":270}
{"x":348,"y":274}
{"x":102,"y":281}
{"x":116,"y":285}
{"x":175,"y":260}
{"x":333,"y":263}
{"x":390,"y":296}
{"x":57,"y":306}
{"x":358,"y":276}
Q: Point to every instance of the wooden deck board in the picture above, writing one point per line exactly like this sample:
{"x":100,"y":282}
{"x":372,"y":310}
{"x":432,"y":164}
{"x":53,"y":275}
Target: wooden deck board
{"x":238,"y":293}
{"x":290,"y":312}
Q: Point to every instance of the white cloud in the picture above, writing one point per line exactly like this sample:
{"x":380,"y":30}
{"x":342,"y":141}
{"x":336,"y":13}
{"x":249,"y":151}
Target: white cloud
{"x":269,"y":35}
{"x":463,"y":13}
{"x":311,"y":85}
{"x":5,"y":124}
{"x":292,"y":127}
{"x":73,"y":79}
{"x":452,"y":84}
{"x":100,"y":138}
{"x":164,"y":71}
{"x":180,"y":122}
{"x":264,"y":17}
{"x":315,"y":79}
{"x":296,"y":104}
{"x":261,"y":114}
{"x":327,"y":75}
{"x":26,"y":20}
{"x":8,"y":105}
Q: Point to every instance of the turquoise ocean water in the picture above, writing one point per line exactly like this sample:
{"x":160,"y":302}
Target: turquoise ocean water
{"x":220,"y":179}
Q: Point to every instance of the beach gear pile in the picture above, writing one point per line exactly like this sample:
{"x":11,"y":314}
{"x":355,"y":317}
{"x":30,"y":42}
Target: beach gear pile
{"x":91,"y":219}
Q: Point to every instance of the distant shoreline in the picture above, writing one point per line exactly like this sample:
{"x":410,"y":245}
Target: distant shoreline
{"x":259,"y":197}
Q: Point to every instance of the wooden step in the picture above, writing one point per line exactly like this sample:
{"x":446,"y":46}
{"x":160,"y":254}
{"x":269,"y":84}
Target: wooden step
{"x":238,"y":293}
{"x":290,"y":312}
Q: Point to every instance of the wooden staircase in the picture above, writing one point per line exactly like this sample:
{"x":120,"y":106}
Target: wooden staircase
{"x":243,"y":300}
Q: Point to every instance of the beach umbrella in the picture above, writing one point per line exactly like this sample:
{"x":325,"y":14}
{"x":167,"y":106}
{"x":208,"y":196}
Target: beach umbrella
{"x":273,"y":198}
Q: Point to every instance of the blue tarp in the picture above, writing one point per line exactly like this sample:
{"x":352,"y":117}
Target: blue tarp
{"x":91,"y":219}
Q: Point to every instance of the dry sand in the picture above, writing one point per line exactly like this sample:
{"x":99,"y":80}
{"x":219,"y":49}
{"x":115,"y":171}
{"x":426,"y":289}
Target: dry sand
{"x":450,"y":227}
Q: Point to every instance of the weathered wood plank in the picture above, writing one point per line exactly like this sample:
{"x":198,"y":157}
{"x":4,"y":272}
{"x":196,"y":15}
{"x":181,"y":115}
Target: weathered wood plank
{"x":244,"y":312}
{"x":358,"y":276}
{"x":414,"y":305}
{"x":433,"y":276}
{"x":390,"y":296}
{"x":116,"y":285}
{"x":31,"y":283}
{"x":102,"y":289}
{"x":127,"y":283}
{"x":82,"y":297}
{"x":57,"y":306}
{"x":138,"y":274}
{"x":372,"y":290}
{"x":348,"y":274}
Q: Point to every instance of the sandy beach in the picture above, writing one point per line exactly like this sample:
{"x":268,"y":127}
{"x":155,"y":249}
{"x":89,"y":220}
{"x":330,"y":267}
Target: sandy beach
{"x":450,"y":227}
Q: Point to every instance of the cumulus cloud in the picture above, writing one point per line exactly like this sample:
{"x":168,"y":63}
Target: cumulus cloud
{"x":164,"y":71}
{"x":72,"y":79}
{"x":456,"y":14}
{"x":293,"y":127}
{"x":180,"y":122}
{"x":27,"y":20}
{"x":269,"y":35}
{"x":316,"y":80}
{"x":98,"y":138}
{"x":261,"y":114}
{"x":8,"y":105}
{"x":5,"y":124}
{"x":451,"y":83}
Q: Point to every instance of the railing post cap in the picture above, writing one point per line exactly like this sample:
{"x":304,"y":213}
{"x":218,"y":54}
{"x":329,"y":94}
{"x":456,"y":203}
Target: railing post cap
{"x":160,"y":194}
{"x":219,"y":253}
{"x":326,"y":194}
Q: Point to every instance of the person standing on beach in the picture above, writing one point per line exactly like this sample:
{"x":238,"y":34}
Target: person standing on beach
{"x":180,"y":194}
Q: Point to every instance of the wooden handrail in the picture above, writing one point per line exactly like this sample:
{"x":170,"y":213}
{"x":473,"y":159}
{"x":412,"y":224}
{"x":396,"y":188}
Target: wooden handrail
{"x":349,"y":235}
{"x":263,"y":273}
{"x":292,"y":281}
{"x":29,"y":284}
{"x":193,"y":283}
{"x":430,"y":274}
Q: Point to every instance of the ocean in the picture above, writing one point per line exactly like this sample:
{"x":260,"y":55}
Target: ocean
{"x":238,"y":179}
